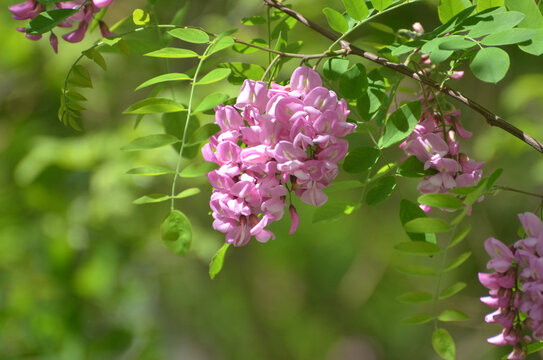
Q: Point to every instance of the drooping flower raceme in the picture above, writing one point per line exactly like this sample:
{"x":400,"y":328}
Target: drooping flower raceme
{"x":516,"y":287}
{"x":274,"y":142}
{"x":29,"y":9}
{"x":434,"y":143}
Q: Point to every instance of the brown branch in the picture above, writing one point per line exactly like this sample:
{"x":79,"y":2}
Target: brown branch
{"x":491,"y":118}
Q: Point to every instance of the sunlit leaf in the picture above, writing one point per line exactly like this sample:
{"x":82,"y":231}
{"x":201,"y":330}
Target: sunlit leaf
{"x":215,"y":266}
{"x":187,"y":192}
{"x":427,"y":225}
{"x":154,"y":106}
{"x":164,"y":78}
{"x":176,"y":232}
{"x":335,"y":20}
{"x":150,"y":171}
{"x":452,"y":315}
{"x":448,"y":8}
{"x":357,"y":9}
{"x":490,"y":64}
{"x":443,"y":344}
{"x":442,"y":201}
{"x":409,"y":211}
{"x":381,"y":5}
{"x":152,"y":198}
{"x":140,"y":17}
{"x":458,"y":261}
{"x":172,"y":53}
{"x":190,"y":35}
{"x":214,"y":76}
{"x":211,"y":101}
{"x":150,"y":142}
{"x":452,"y":290}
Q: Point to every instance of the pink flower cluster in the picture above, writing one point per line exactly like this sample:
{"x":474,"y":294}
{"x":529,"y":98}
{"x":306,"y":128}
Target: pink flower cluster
{"x":31,"y":8}
{"x":433,"y":142}
{"x":516,"y":287}
{"x":272,"y":142}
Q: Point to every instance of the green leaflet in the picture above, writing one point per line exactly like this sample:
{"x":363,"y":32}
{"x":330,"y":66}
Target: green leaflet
{"x":215,"y":266}
{"x":443,"y":344}
{"x":176,"y":232}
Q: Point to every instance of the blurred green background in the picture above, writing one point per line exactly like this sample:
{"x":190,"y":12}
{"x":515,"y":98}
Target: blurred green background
{"x":84,"y":274}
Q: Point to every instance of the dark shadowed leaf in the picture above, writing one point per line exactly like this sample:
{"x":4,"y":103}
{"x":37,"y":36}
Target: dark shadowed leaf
{"x":47,"y":20}
{"x":414,"y":297}
{"x":381,"y":191}
{"x":361,"y":159}
{"x":418,"y":248}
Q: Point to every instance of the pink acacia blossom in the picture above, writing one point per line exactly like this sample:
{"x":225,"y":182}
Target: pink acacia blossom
{"x":274,"y":142}
{"x":516,"y":286}
{"x":29,"y":9}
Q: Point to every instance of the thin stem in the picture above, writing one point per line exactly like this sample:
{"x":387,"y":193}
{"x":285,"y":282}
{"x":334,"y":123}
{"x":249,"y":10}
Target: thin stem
{"x":440,"y":274}
{"x":507,"y":188}
{"x":268,"y":23}
{"x":292,"y":55}
{"x":187,"y":123}
{"x":275,"y":59}
{"x":491,"y":118}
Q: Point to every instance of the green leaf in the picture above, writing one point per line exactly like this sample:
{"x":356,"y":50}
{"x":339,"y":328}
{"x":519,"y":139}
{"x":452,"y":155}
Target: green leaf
{"x":187,"y":192}
{"x":534,"y":347}
{"x":215,"y":266}
{"x":418,"y":248}
{"x":357,"y":9}
{"x":48,"y":20}
{"x":488,"y":4}
{"x":80,"y":77}
{"x":460,"y":236}
{"x":197,"y":169}
{"x":535,"y":47}
{"x":331,"y":210}
{"x":150,"y":142}
{"x":220,"y":43}
{"x":452,"y":315}
{"x":150,"y":171}
{"x":176,"y":232}
{"x":381,"y":5}
{"x":203,"y":134}
{"x":242,"y":71}
{"x":452,"y":290}
{"x":496,"y":23}
{"x":246,"y":49}
{"x":490,"y":64}
{"x":140,"y":17}
{"x":418,"y":270}
{"x":412,"y":167}
{"x":164,"y":78}
{"x":493,"y":178}
{"x":334,"y":67}
{"x":414,"y":297}
{"x":190,"y":35}
{"x":442,"y":201}
{"x":210,"y":101}
{"x":253,"y":20}
{"x":172,"y":53}
{"x":97,"y":57}
{"x":533,"y":19}
{"x":443,"y":344}
{"x":154,"y":106}
{"x":335,"y":20}
{"x":456,"y":42}
{"x":381,"y":191}
{"x":417,"y":319}
{"x":343,"y":185}
{"x":448,"y":8}
{"x":214,"y":76}
{"x":151,"y":198}
{"x":409,"y":211}
{"x":401,"y":123}
{"x":361,"y":159}
{"x":509,"y":36}
{"x":353,"y":82}
{"x":458,"y":261}
{"x":427,"y":225}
